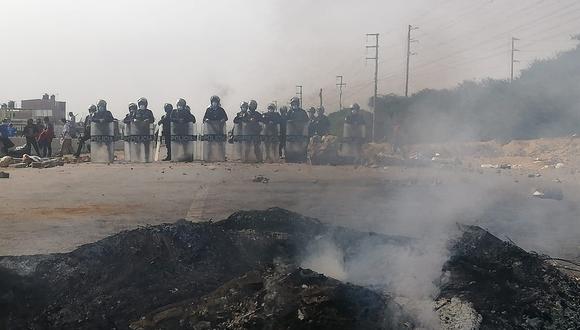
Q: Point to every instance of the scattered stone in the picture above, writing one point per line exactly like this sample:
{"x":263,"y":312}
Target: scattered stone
{"x":6,"y":161}
{"x":549,"y":193}
{"x":260,"y":178}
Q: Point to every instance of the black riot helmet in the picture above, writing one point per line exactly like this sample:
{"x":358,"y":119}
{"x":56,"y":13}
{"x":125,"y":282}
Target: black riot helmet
{"x":101,"y":105}
{"x":253,"y":105}
{"x":92,"y":108}
{"x":132,"y":107}
{"x":215,"y":100}
{"x":168,"y":107}
{"x":180,"y":104}
{"x":142,"y":101}
{"x":244,"y":106}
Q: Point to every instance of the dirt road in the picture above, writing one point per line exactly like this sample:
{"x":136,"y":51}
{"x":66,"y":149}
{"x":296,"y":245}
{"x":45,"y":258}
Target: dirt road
{"x":57,"y":209}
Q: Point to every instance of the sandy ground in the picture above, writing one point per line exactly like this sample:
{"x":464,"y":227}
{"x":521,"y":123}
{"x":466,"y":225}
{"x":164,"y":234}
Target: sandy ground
{"x":57,"y":209}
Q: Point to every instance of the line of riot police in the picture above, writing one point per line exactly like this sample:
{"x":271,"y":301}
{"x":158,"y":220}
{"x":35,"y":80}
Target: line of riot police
{"x":255,"y":137}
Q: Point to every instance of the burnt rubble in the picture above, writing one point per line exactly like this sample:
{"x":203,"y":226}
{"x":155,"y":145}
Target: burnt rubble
{"x":243,"y":273}
{"x":509,"y":287}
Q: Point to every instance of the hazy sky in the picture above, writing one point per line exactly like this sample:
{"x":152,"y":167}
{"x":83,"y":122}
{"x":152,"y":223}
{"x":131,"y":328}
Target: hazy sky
{"x":120,"y":50}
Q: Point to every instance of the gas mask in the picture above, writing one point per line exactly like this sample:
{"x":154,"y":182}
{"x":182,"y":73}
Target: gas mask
{"x":294,"y":106}
{"x":142,"y":107}
{"x":214,"y":105}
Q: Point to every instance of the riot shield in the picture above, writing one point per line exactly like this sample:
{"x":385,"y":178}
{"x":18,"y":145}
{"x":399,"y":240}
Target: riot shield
{"x":237,"y":139}
{"x":183,"y":140}
{"x":251,"y":142}
{"x":296,"y":141}
{"x":102,"y":142}
{"x":140,"y":137}
{"x":214,"y":141}
{"x":270,"y":142}
{"x":126,"y":142}
{"x":352,"y":141}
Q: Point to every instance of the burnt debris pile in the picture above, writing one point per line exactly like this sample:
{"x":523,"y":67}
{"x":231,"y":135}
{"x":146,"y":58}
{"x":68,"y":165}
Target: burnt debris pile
{"x":243,"y":272}
{"x":508,"y":287}
{"x":123,"y":278}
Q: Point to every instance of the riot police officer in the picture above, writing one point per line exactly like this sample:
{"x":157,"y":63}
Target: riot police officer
{"x":283,"y":119}
{"x":355,"y":117}
{"x":182,"y":113}
{"x":165,"y":122}
{"x":86,"y":130}
{"x":102,"y":115}
{"x":143,"y":113}
{"x":322,"y":123}
{"x":129,"y":117}
{"x":215,"y":111}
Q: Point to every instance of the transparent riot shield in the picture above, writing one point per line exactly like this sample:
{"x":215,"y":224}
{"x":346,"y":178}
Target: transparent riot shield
{"x":237,"y":139}
{"x":251,"y":142}
{"x":141,"y":139}
{"x":183,"y":140}
{"x":270,"y":142}
{"x":126,"y":142}
{"x":296,"y":141}
{"x":214,"y":141}
{"x":352,"y":140}
{"x":102,"y":142}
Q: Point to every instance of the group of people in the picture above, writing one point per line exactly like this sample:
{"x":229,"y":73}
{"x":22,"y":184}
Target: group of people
{"x":39,"y":135}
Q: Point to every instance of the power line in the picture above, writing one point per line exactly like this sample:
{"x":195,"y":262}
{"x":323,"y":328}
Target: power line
{"x":409,"y":54}
{"x":376,"y":59}
{"x":513,"y":60}
{"x":299,"y":94}
{"x":340,"y":85}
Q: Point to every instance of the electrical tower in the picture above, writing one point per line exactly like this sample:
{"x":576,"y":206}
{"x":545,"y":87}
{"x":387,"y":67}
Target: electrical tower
{"x":513,"y":61}
{"x":299,"y":94}
{"x":409,"y":54}
{"x":376,"y":59}
{"x":340,"y":85}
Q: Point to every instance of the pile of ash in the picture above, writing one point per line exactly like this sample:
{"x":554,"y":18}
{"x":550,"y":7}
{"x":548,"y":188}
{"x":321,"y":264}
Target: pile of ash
{"x":121,"y":279}
{"x":243,"y":272}
{"x":508,"y":287}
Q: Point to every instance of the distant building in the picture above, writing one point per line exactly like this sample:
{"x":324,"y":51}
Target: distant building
{"x":47,"y":106}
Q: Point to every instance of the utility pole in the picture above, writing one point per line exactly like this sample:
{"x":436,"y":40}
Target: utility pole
{"x":320,"y":95}
{"x":409,"y":54}
{"x":376,"y":59}
{"x":513,"y":61}
{"x":299,"y":94}
{"x":340,"y":85}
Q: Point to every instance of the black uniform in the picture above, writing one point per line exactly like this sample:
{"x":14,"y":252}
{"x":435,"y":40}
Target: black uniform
{"x":182,"y":116}
{"x":354,"y":119}
{"x":297,"y":115}
{"x":217,"y":114}
{"x":31,"y":131}
{"x":271,"y":118}
{"x":282,"y":146}
{"x":322,"y":125}
{"x":103,"y":117}
{"x":144,"y":115}
{"x":312,"y":127}
{"x":86,"y":135}
{"x":166,"y":124}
